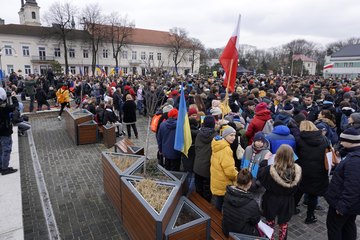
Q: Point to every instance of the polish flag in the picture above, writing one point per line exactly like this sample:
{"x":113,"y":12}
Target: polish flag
{"x":330,"y":65}
{"x":230,"y":57}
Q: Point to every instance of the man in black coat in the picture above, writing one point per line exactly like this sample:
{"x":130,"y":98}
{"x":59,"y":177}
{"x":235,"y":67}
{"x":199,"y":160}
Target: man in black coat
{"x":343,"y":194}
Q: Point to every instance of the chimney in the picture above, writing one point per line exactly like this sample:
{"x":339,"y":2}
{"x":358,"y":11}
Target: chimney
{"x":2,"y":21}
{"x":22,"y":3}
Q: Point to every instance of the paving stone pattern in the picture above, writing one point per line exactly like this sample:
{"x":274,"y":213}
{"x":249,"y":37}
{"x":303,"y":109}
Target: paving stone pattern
{"x":73,"y":176}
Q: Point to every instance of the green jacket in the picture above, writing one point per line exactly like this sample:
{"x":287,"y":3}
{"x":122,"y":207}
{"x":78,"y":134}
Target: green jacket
{"x":30,"y":87}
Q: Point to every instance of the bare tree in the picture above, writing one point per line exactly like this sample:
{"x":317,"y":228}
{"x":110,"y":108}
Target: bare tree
{"x":120,"y":32}
{"x":179,"y":44}
{"x":336,"y":46}
{"x":195,"y":47}
{"x":61,"y":17}
{"x":94,"y":21}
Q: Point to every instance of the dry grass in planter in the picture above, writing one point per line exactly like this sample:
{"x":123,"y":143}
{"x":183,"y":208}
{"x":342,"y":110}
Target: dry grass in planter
{"x":152,"y":171}
{"x":122,"y":161}
{"x":155,"y":194}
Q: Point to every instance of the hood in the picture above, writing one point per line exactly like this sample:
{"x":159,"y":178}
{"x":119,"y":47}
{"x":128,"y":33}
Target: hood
{"x":281,"y":130}
{"x":206,"y":135}
{"x":170,"y":123}
{"x":127,"y":87}
{"x":313,"y":138}
{"x":284,"y":117}
{"x":347,"y":111}
{"x":287,"y":183}
{"x":237,"y":197}
{"x":327,"y":121}
{"x":218,"y":143}
{"x":263,"y":115}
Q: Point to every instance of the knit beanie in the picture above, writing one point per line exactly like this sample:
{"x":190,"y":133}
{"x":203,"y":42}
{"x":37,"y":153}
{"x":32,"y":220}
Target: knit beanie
{"x":167,"y":108}
{"x":227,"y":130}
{"x":192,"y":111}
{"x":261,"y":106}
{"x":215,"y":103}
{"x":170,"y":101}
{"x":215,"y":111}
{"x":350,"y":135}
{"x":355,"y":117}
{"x":173,"y":113}
{"x":209,"y":122}
{"x":259,"y":136}
{"x":288,"y":108}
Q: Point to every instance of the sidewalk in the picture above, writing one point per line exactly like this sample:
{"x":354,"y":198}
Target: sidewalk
{"x":11,"y":221}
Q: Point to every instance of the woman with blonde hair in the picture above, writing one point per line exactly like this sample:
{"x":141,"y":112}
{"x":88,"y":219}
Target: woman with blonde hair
{"x":311,"y":145}
{"x":281,"y":182}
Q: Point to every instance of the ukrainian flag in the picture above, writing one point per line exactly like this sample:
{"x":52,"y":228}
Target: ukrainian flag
{"x":98,"y":70}
{"x":112,"y":71}
{"x":183,"y":133}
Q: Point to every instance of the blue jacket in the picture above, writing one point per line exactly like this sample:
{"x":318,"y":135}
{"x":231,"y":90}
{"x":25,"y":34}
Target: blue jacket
{"x":280,"y":135}
{"x":284,"y":117}
{"x":166,"y":139}
{"x":343,"y":192}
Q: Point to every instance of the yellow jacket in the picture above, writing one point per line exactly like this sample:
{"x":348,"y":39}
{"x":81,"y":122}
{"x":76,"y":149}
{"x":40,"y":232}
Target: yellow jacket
{"x":63,"y":95}
{"x":222,"y":167}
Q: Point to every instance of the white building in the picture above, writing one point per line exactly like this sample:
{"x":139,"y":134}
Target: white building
{"x":308,"y":64}
{"x":343,"y":64}
{"x":29,"y":47}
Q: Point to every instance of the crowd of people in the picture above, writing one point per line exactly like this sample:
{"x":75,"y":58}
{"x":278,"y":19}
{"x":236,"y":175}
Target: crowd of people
{"x":254,"y":154}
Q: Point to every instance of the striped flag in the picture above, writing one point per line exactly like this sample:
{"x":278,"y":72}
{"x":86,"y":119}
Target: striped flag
{"x":327,"y":66}
{"x":183,"y":133}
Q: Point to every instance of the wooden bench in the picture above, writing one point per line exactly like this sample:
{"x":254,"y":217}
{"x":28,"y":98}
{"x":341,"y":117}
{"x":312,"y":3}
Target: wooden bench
{"x":215,"y":216}
{"x":126,"y":146}
{"x":108,"y":135}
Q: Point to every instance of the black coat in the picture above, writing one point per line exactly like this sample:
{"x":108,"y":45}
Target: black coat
{"x":109,"y":116}
{"x":311,"y":152}
{"x":278,"y":200}
{"x":203,"y":151}
{"x":241,"y":212}
{"x":343,"y":193}
{"x":129,"y":111}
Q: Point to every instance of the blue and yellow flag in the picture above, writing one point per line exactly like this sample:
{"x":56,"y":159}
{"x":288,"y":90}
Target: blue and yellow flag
{"x":183,"y":133}
{"x":98,"y":70}
{"x":112,"y":72}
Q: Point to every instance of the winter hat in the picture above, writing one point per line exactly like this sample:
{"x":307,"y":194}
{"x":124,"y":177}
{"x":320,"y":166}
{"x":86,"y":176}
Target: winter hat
{"x":355,"y":117}
{"x":215,"y":111}
{"x":259,"y":136}
{"x":266,"y":100}
{"x":173,"y":113}
{"x":192,"y":111}
{"x":215,"y":103}
{"x":227,"y":130}
{"x":170,"y":101}
{"x":167,"y":108}
{"x":261,"y":106}
{"x":350,"y":135}
{"x":234,"y":108}
{"x":347,"y":95}
{"x":346,"y":89}
{"x":209,"y":122}
{"x":299,"y":118}
{"x":2,"y":94}
{"x":289,"y":108}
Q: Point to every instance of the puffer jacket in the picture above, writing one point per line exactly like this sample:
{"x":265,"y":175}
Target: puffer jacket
{"x":280,"y":135}
{"x":222,"y":167}
{"x":166,"y":139}
{"x":257,"y":124}
{"x":241,"y":212}
{"x":203,"y":151}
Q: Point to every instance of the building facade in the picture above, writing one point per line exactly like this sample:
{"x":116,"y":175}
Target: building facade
{"x":343,"y":64}
{"x":29,"y":48}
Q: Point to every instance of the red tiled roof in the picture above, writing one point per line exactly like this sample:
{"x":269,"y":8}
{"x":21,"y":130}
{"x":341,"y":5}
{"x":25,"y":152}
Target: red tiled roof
{"x":303,"y":58}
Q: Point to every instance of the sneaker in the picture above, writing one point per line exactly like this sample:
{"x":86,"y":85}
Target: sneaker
{"x":8,"y":171}
{"x":319,"y":208}
{"x":310,"y":220}
{"x":59,"y":118}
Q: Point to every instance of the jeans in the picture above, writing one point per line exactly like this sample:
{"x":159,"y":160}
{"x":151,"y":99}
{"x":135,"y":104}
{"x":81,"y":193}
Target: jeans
{"x":340,"y":227}
{"x":5,"y":150}
{"x":202,"y":185}
{"x":63,"y":105}
{"x":140,"y":106}
{"x":32,"y":99}
{"x":219,"y":201}
{"x":129,"y":130}
{"x":23,"y":126}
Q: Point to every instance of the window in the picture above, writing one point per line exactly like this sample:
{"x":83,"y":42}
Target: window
{"x":158,"y":56}
{"x":105,"y":53}
{"x":72,"y":70}
{"x":143,"y":56}
{"x":151,"y":56}
{"x":10,"y":69}
{"x":57,"y":52}
{"x":125,"y":55}
{"x":8,"y":50}
{"x":71,"y":52}
{"x":351,"y":64}
{"x":346,"y":65}
{"x":26,"y":51}
{"x":33,"y":15}
{"x":86,"y":53}
{"x":42,"y":53}
{"x":133,"y":55}
{"x":190,"y":58}
{"x":27,"y":69}
{"x":308,"y":64}
{"x":125,"y":70}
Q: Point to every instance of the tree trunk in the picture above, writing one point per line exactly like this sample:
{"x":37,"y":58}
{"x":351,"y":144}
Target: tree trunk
{"x":66,"y":56}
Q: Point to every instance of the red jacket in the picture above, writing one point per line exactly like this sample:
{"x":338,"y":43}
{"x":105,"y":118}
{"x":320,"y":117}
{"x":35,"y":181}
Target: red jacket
{"x":257,"y":124}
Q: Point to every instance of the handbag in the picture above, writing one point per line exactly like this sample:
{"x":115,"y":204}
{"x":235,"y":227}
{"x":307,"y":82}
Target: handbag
{"x":333,"y":158}
{"x":239,"y":151}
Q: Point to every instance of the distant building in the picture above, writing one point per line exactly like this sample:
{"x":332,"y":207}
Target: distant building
{"x":29,"y":47}
{"x":345,"y":63}
{"x":308,"y":64}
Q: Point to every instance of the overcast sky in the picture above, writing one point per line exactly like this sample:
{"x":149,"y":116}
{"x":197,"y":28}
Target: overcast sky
{"x":264,"y":23}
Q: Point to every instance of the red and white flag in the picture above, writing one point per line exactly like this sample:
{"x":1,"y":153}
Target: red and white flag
{"x":230,"y":58}
{"x":330,"y":65}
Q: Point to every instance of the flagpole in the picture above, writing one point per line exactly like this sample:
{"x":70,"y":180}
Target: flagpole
{"x":227,"y":88}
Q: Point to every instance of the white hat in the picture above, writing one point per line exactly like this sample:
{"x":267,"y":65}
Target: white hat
{"x":2,"y":94}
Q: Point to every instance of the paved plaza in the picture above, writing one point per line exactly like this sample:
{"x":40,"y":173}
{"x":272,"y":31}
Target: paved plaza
{"x":73,"y":177}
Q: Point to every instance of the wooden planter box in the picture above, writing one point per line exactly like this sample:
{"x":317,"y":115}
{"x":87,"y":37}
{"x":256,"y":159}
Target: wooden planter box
{"x":112,"y":176}
{"x":87,"y":132}
{"x":183,"y":178}
{"x":108,"y":135}
{"x":140,"y":219}
{"x":73,"y":119}
{"x":188,"y":222}
{"x":239,"y":236}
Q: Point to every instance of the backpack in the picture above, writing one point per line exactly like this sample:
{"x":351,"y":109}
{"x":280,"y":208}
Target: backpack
{"x":268,"y":126}
{"x":155,"y":122}
{"x":61,"y":96}
{"x":343,"y":122}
